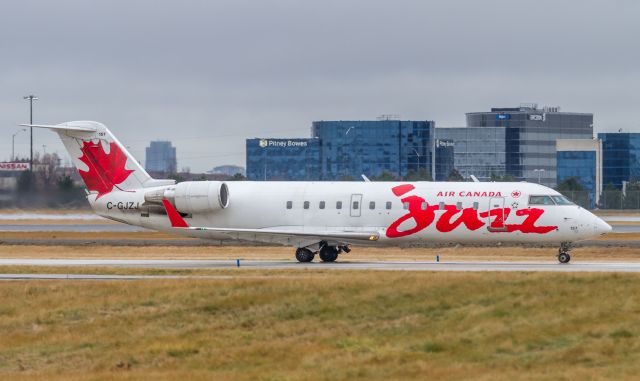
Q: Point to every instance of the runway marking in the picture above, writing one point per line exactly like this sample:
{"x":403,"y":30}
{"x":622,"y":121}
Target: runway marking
{"x":340,"y":265}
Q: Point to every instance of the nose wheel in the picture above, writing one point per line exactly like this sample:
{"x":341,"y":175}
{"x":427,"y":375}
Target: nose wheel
{"x":564,"y":257}
{"x":563,"y":252}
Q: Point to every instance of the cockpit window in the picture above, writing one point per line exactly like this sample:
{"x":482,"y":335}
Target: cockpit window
{"x":540,"y":200}
{"x":561,"y":200}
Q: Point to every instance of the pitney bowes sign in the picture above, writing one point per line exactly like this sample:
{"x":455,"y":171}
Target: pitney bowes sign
{"x":264,"y":143}
{"x":14,"y":166}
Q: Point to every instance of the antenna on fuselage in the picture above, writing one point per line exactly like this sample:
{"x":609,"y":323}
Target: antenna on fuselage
{"x":365,"y":178}
{"x":475,"y":179}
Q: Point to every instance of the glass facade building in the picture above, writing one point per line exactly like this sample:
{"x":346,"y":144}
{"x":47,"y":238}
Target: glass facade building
{"x":349,"y":149}
{"x":161,"y":157}
{"x":530,"y":137}
{"x":621,"y":157}
{"x":474,"y":151}
{"x":283,"y":159}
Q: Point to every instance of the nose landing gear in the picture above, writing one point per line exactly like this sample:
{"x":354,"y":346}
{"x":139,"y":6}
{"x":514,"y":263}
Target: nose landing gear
{"x":563,"y":252}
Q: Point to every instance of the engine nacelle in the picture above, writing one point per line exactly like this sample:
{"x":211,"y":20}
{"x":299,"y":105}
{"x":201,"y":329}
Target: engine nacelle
{"x":201,"y":196}
{"x":192,"y":196}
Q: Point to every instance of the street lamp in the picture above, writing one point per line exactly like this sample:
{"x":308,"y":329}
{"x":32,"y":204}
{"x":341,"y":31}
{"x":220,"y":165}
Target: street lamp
{"x":31,"y":98}
{"x":13,"y":143}
{"x":539,"y":171}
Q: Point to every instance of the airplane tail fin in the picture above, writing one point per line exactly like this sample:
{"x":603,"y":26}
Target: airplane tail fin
{"x":103,"y":162}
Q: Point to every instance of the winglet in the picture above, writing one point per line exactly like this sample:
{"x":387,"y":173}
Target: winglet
{"x":176,"y":219}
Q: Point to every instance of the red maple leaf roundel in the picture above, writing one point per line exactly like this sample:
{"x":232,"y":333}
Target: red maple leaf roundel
{"x":106,"y":170}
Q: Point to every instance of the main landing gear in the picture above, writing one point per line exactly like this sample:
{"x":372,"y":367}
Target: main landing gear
{"x":327,"y":252}
{"x":563,"y":252}
{"x":304,"y":255}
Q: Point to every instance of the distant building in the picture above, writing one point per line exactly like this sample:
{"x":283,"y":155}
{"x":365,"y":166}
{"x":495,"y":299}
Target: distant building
{"x":621,"y":157}
{"x":530,"y":137}
{"x":581,"y":159}
{"x":229,"y":170}
{"x":161,"y":157}
{"x":480,"y":152}
{"x":351,"y":148}
{"x":283,"y":159}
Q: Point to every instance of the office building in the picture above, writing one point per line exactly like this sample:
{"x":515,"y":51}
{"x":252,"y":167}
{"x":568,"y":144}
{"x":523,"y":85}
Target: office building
{"x":283,"y":159}
{"x":530,"y":137}
{"x":161,"y":158}
{"x":620,"y":157}
{"x":581,"y":159}
{"x":227,"y":170}
{"x":479,"y":152}
{"x":400,"y":148}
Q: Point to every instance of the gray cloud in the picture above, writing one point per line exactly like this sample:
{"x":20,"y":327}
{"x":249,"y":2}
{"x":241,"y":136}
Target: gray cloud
{"x":207,"y":75}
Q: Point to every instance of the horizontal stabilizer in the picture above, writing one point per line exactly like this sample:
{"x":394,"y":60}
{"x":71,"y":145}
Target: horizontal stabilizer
{"x":62,"y":127}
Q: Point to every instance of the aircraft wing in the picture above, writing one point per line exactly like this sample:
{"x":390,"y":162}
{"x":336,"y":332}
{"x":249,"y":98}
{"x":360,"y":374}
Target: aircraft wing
{"x":251,"y":234}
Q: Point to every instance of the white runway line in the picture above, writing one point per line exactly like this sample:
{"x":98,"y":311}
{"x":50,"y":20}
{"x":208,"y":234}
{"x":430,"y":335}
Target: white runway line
{"x":340,"y":265}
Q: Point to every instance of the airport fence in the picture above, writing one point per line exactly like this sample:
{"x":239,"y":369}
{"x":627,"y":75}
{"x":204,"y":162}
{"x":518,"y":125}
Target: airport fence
{"x":609,"y":199}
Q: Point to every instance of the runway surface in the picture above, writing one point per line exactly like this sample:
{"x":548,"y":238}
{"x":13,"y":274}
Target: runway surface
{"x":341,"y":265}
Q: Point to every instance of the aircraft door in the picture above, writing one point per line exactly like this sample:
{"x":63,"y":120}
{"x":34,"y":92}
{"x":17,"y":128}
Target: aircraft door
{"x":496,"y":215}
{"x":355,"y":207}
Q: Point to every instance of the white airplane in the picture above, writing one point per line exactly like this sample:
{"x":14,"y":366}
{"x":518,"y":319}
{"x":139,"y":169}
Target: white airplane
{"x":322,"y":217}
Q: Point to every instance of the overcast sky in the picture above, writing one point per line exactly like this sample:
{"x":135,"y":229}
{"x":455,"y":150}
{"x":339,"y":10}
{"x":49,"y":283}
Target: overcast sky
{"x":209,"y":74}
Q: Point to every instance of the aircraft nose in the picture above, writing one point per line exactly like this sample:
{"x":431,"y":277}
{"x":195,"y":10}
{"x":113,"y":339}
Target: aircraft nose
{"x":601,"y":227}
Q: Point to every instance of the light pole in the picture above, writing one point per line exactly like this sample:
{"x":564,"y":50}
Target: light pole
{"x":13,"y":143}
{"x":539,"y":171}
{"x":31,"y":98}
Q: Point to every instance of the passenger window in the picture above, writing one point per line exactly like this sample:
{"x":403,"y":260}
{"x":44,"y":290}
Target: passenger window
{"x":405,"y":205}
{"x":441,"y":206}
{"x":388,"y":204}
{"x":540,"y":200}
{"x":423,"y":206}
{"x":339,"y":205}
{"x":321,"y":205}
{"x":289,"y":204}
{"x":459,"y":205}
{"x":356,"y":205}
{"x":561,"y":200}
{"x":475,"y":206}
{"x":306,"y":205}
{"x":372,"y":204}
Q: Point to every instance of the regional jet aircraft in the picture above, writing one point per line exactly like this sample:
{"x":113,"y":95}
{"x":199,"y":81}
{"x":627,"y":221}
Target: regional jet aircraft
{"x":325,"y":218}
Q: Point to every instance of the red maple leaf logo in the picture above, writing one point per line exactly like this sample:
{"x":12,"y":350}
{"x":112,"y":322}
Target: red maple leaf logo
{"x":105,"y":170}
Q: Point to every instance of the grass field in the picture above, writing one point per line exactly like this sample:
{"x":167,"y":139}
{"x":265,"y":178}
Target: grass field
{"x":324,"y":326}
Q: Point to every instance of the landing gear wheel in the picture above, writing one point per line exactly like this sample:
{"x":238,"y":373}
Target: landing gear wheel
{"x":564,"y":257}
{"x":304,"y":255}
{"x":328,"y":253}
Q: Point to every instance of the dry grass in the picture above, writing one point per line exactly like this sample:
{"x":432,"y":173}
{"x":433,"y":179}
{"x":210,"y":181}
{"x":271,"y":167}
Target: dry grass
{"x":287,"y":253}
{"x":48,"y":221}
{"x":91,"y":236}
{"x":325,"y":326}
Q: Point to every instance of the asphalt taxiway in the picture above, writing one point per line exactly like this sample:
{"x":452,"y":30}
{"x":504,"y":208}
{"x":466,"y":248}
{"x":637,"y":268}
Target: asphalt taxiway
{"x":340,"y":265}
